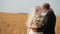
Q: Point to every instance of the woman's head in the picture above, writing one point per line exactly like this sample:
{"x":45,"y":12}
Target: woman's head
{"x":38,"y":9}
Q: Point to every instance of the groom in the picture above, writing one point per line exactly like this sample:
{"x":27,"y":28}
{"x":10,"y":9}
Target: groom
{"x":48,"y":23}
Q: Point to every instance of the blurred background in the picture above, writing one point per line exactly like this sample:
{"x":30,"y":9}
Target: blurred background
{"x":14,"y":13}
{"x":26,"y":6}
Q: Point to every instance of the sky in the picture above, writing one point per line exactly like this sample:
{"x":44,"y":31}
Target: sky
{"x":27,"y":6}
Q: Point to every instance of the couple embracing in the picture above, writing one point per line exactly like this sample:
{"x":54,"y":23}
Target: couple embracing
{"x":42,"y":20}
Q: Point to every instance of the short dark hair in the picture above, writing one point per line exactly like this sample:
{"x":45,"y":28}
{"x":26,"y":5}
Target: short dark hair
{"x":46,"y":5}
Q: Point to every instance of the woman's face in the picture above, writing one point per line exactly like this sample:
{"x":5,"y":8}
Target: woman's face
{"x":38,"y":9}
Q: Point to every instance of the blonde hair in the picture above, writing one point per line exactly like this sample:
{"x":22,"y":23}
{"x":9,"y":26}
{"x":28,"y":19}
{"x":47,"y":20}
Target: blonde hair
{"x":31,"y":16}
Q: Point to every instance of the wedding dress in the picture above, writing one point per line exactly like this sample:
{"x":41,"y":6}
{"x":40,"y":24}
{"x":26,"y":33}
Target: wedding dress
{"x":31,"y":32}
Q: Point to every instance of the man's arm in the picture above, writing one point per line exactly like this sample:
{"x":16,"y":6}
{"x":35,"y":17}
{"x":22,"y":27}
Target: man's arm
{"x":46,"y":22}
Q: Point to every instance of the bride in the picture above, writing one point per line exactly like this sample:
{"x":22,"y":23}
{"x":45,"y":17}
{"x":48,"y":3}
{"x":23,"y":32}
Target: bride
{"x":33,"y":20}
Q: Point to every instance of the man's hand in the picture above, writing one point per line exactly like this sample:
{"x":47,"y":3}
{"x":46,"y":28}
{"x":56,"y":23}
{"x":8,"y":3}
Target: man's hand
{"x":33,"y":27}
{"x":34,"y":30}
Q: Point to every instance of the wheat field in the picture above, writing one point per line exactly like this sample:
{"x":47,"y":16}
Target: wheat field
{"x":11,"y":23}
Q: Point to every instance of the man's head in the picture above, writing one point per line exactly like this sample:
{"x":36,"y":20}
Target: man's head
{"x":46,"y":6}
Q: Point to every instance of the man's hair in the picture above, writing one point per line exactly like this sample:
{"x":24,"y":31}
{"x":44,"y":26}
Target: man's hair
{"x":46,"y":5}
